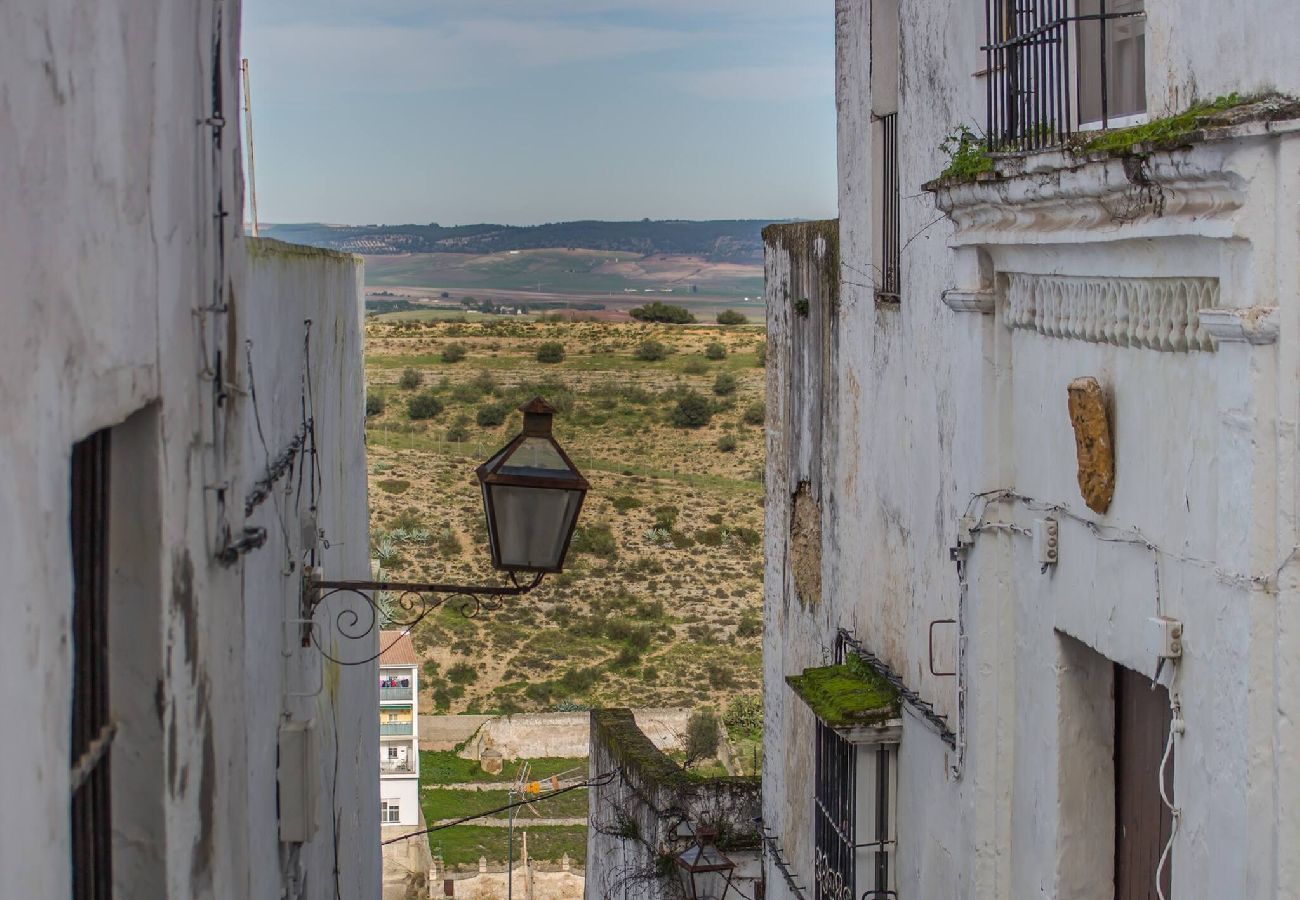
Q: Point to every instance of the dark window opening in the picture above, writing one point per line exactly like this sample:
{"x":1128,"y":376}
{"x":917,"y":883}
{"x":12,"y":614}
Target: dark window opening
{"x":1143,"y":823}
{"x":1054,"y":65}
{"x":891,"y":249}
{"x":92,"y":731}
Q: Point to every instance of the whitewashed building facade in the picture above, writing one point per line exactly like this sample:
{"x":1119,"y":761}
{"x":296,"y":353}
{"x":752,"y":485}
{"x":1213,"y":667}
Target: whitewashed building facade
{"x":183,"y":437}
{"x":1033,"y":457}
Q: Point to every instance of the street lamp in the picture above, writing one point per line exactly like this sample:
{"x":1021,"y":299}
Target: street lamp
{"x":703,"y":859}
{"x":532,"y":495}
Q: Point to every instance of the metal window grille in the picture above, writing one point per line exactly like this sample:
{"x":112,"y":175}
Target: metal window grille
{"x":92,"y":732}
{"x":1031,"y":94}
{"x":890,"y":200}
{"x":834,"y":817}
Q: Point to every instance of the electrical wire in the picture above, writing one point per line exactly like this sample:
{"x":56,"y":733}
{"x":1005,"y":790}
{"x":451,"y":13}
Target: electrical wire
{"x":599,"y":781}
{"x":1176,"y":727}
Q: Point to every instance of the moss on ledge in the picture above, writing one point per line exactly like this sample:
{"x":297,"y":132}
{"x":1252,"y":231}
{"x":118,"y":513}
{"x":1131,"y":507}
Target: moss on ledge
{"x":627,"y":743}
{"x":970,"y":162}
{"x":260,"y":246}
{"x":847,"y":695}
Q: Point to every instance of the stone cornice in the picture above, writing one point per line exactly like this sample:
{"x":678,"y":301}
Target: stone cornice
{"x":1052,"y":193}
{"x":1250,"y":325}
{"x":969,"y":301}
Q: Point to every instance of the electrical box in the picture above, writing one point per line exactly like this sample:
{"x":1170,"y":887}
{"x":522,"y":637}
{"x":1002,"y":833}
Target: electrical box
{"x":1164,"y":637}
{"x":298,"y":781}
{"x":1047,"y":541}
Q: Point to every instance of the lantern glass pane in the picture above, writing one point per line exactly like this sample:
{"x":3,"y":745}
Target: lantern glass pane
{"x":532,"y":524}
{"x":535,"y":457}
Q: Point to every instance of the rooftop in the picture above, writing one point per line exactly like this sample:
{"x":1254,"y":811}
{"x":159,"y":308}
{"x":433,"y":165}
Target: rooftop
{"x":397,"y":649}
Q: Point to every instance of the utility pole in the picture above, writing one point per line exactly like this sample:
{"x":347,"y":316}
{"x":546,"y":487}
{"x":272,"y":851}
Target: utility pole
{"x":518,"y":787}
{"x":248,"y":131}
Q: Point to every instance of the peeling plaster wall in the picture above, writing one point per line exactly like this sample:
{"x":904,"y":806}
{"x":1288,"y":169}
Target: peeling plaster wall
{"x":109,"y":249}
{"x":925,"y":406}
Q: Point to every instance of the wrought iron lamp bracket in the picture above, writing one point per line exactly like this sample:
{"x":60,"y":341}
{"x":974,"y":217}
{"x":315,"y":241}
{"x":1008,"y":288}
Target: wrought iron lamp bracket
{"x":413,"y":601}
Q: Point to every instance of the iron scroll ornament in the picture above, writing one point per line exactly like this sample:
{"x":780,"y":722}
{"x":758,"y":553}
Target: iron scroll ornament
{"x":411,"y":599}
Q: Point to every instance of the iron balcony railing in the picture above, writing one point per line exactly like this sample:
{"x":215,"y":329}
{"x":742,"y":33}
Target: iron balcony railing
{"x":394,"y":693}
{"x":1034,"y":83}
{"x":396,"y":767}
{"x":396,"y":729}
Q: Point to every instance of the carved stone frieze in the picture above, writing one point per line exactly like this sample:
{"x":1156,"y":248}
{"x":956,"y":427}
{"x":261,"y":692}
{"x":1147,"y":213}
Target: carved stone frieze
{"x":1154,"y":313}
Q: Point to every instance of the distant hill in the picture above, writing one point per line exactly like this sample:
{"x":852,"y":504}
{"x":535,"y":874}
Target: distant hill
{"x":738,"y":240}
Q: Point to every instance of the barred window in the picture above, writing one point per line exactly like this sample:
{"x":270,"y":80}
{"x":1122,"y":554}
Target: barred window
{"x":884,"y":115}
{"x":854,"y":815}
{"x":1056,"y":66}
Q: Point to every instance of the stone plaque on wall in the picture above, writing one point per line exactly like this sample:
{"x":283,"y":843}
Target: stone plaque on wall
{"x":1094,"y":448}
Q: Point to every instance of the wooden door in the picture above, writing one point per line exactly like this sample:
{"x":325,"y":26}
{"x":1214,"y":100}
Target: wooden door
{"x":1142,"y":821}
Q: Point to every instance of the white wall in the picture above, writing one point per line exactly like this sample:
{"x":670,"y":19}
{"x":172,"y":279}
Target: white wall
{"x":928,"y":406}
{"x":110,"y":255}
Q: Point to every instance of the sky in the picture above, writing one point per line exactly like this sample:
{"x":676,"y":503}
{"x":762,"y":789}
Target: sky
{"x":530,"y":111}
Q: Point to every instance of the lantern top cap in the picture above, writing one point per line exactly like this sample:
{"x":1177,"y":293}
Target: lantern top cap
{"x":537,"y":417}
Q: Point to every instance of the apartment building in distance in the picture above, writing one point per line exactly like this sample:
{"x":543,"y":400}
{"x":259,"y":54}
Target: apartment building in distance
{"x":399,"y":738}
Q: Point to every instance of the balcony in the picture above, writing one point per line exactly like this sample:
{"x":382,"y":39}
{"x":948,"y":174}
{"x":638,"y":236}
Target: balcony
{"x":396,"y":767}
{"x":387,"y":694}
{"x":396,"y":729}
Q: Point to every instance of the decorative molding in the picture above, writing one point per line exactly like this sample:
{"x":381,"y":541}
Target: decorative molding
{"x":1056,"y":193}
{"x":1153,"y":313}
{"x":970,"y":301}
{"x":1251,"y":325}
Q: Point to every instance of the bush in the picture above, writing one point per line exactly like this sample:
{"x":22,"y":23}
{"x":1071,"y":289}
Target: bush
{"x":701,"y":736}
{"x":374,"y":404}
{"x":755,"y":413}
{"x":720,"y":677}
{"x":485,"y":383}
{"x":424,"y":405}
{"x":624,"y":502}
{"x":666,"y":517}
{"x":492,"y":415}
{"x":760,"y":354}
{"x":448,"y":543}
{"x":695,"y":366}
{"x":745,"y":715}
{"x":725,"y":384}
{"x":596,"y":539}
{"x":466,"y":392}
{"x":550,"y":352}
{"x":663,"y":312}
{"x":410,"y":380}
{"x":651,"y":351}
{"x":731,"y":317}
{"x":453,"y":353}
{"x":691,"y":411}
{"x":750,"y":625}
{"x":727,"y":443}
{"x":458,"y":433}
{"x":715,"y":351}
{"x":462,"y":673}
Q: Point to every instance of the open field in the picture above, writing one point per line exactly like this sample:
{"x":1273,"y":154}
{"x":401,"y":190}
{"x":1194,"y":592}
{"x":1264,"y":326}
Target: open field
{"x":566,"y":272}
{"x":661,"y":602}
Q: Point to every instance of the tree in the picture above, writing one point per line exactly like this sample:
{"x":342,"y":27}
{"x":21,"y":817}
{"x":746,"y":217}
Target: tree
{"x":715,"y":351}
{"x":550,"y":352}
{"x":651,"y":351}
{"x":424,"y":405}
{"x":701,"y":736}
{"x":691,"y":411}
{"x":731,"y":317}
{"x":410,"y":379}
{"x":662,"y":312}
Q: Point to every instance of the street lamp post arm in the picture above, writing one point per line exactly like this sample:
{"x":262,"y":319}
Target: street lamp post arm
{"x":416,"y":587}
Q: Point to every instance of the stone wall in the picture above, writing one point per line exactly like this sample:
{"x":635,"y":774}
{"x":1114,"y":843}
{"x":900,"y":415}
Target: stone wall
{"x":643,"y":809}
{"x":533,"y":735}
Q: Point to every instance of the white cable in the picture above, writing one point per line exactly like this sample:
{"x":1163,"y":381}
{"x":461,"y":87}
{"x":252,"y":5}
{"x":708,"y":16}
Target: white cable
{"x":1176,"y":727}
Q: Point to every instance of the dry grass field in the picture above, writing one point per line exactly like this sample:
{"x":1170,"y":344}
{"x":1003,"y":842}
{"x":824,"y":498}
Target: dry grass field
{"x":661,"y":601}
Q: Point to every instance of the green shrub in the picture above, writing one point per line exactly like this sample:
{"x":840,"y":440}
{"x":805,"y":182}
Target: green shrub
{"x":755,"y":413}
{"x":666,"y":517}
{"x":448,"y":544}
{"x":550,"y":352}
{"x":691,"y":411}
{"x":393,"y":485}
{"x":727,"y":443}
{"x":485,"y":383}
{"x":750,"y":625}
{"x":744,"y":715}
{"x":466,"y":392}
{"x":458,"y":433}
{"x":701,"y":736}
{"x":760,"y":354}
{"x":596,"y":539}
{"x":624,"y":502}
{"x":453,"y":353}
{"x":492,"y":415}
{"x":715,"y":351}
{"x":374,"y":404}
{"x":725,"y":384}
{"x":695,"y":366}
{"x":720,"y":676}
{"x":462,"y":673}
{"x":662,"y":312}
{"x":731,"y":317}
{"x":651,"y":351}
{"x":424,"y":405}
{"x":410,"y":380}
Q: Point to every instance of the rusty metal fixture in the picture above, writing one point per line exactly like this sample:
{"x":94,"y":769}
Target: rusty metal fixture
{"x":701,"y":859}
